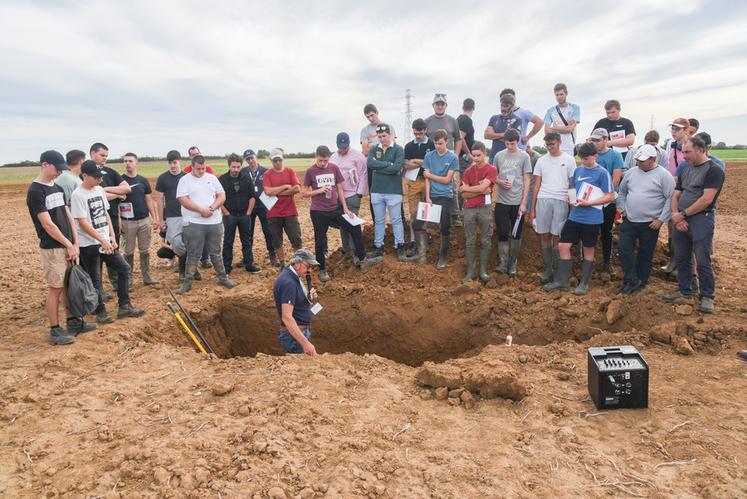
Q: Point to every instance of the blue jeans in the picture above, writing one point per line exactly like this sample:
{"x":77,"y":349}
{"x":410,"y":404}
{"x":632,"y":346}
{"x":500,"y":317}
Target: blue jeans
{"x":637,"y":268}
{"x":289,"y":343}
{"x":260,"y":211}
{"x":393,"y":204}
{"x":230,"y":224}
{"x":698,"y":240}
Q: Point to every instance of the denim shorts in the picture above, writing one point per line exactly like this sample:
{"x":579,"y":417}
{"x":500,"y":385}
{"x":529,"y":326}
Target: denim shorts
{"x":289,"y":343}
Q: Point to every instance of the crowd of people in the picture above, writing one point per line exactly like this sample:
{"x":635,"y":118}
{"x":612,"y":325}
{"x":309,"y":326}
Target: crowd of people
{"x":86,"y":211}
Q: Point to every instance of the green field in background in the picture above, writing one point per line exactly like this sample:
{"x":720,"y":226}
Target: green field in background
{"x":149,"y":169}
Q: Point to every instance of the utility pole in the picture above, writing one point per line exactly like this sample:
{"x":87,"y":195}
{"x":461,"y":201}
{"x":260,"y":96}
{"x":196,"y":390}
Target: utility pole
{"x":408,"y":116}
{"x":652,"y":123}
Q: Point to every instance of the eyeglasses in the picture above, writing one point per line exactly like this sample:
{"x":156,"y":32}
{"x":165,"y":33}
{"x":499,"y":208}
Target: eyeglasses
{"x":382,"y":129}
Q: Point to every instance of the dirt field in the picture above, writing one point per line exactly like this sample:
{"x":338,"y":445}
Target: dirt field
{"x":131,"y":410}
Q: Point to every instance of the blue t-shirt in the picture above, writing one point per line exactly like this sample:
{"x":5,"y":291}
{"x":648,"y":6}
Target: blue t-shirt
{"x":500,"y":123}
{"x":716,"y":161}
{"x":288,"y":289}
{"x":525,"y":115}
{"x":596,"y":176}
{"x":610,"y":160}
{"x":440,"y":165}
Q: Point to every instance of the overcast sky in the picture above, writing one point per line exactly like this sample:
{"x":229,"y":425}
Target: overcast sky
{"x":150,"y":76}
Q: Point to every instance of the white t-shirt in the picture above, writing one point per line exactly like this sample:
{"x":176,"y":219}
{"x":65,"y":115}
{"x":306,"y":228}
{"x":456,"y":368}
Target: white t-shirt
{"x":555,"y":172}
{"x":570,"y":112}
{"x":202,"y":191}
{"x":91,"y":205}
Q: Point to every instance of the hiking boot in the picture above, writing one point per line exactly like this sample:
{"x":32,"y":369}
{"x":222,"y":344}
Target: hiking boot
{"x":742,"y":354}
{"x":695,"y":285}
{"x":628,"y":287}
{"x":503,"y":251}
{"x":197,"y":276}
{"x":58,"y":336}
{"x":706,"y":305}
{"x":421,"y":246}
{"x":640,"y":288}
{"x":411,"y":248}
{"x":145,"y":270}
{"x":677,"y":298}
{"x":273,"y":260}
{"x":127,"y":310}
{"x":583,"y":286}
{"x":608,"y":269}
{"x":76,"y":326}
{"x":670,"y":267}
{"x":561,"y":278}
{"x":253,"y":269}
{"x":368,"y":262}
{"x":469,"y":253}
{"x":103,"y":317}
{"x":547,"y":257}
{"x":324,"y":275}
{"x":401,"y":254}
{"x":224,"y":281}
{"x":514,"y":247}
{"x":130,"y":259}
{"x":205,"y":264}
{"x":377,"y":252}
{"x":484,"y":258}
{"x":442,"y":253}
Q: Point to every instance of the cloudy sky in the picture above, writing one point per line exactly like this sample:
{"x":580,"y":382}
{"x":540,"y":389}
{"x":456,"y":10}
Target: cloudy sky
{"x":149,"y":76}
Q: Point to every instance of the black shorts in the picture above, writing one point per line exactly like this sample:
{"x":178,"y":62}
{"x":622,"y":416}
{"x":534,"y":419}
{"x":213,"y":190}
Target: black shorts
{"x":292,"y":230}
{"x":573,"y":231}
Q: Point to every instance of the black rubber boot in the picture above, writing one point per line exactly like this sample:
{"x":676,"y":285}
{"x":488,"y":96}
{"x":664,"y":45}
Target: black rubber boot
{"x":514,"y":248}
{"x":442,"y":252}
{"x":586,"y":269}
{"x":484,"y":258}
{"x":189,"y":272}
{"x":145,"y":269}
{"x":562,"y":277}
{"x":130,"y":259}
{"x":469,"y":252}
{"x":182,"y":267}
{"x":220,"y":271}
{"x":503,"y":252}
{"x":421,"y":247}
{"x":547,"y":257}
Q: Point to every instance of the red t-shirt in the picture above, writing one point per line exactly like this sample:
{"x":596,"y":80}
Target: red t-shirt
{"x":473,"y":176}
{"x":286,"y":205}
{"x":208,"y":169}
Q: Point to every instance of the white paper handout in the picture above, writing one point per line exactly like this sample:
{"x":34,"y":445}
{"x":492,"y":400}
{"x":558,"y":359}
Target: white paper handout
{"x":316,"y":308}
{"x":589,"y":192}
{"x":354,"y":220}
{"x":488,"y":199}
{"x":572,"y":196}
{"x":412,"y":174}
{"x":615,"y":135}
{"x":126,"y":210}
{"x":268,"y":201}
{"x":516,"y":225}
{"x":429,"y":212}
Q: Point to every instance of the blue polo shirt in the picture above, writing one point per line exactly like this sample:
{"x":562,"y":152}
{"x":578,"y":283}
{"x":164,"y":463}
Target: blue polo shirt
{"x":599,"y":177}
{"x":610,"y":161}
{"x":440,"y":165}
{"x":288,"y":289}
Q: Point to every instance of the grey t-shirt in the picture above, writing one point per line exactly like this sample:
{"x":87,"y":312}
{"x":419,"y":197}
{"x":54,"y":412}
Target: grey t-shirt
{"x":368,"y":134}
{"x":693,"y":180}
{"x":69,"y":182}
{"x":445,"y":122}
{"x":512,"y":165}
{"x":646,"y":195}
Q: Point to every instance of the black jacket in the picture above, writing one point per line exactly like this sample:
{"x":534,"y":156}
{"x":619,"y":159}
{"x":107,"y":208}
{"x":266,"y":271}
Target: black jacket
{"x":237,"y":203}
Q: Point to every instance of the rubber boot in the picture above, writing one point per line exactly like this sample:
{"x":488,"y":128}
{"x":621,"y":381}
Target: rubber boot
{"x":220,"y":271}
{"x":484,"y":258}
{"x":514,"y":247}
{"x":401,"y":253}
{"x":189,"y":272}
{"x":145,"y":269}
{"x":130,"y":259}
{"x":503,"y":251}
{"x":469,"y":252}
{"x":442,"y":253}
{"x":562,"y":277}
{"x":182,"y":267}
{"x":583,"y":287}
{"x":421,"y":243}
{"x":127,"y":310}
{"x":671,"y":266}
{"x":547,"y":256}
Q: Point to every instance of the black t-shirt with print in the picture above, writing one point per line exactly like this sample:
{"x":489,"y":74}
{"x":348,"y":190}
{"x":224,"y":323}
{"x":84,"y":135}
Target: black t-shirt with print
{"x":466,"y":126}
{"x":134,"y":207}
{"x":42,"y":198}
{"x":166,"y":184}
{"x":417,"y":150}
{"x":623,"y":124}
{"x":111,"y":178}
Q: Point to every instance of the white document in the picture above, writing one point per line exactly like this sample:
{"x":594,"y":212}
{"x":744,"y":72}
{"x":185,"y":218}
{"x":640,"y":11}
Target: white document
{"x":488,"y":200}
{"x":589,"y":192}
{"x":412,"y":174}
{"x":126,"y":211}
{"x":618,"y":134}
{"x":516,"y":225}
{"x":316,"y":308}
{"x":354,"y":220}
{"x":268,"y":201}
{"x":510,"y":178}
{"x":429,"y":212}
{"x":572,"y":196}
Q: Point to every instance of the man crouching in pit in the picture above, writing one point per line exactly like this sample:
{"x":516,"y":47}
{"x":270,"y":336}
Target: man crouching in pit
{"x":293,"y":302}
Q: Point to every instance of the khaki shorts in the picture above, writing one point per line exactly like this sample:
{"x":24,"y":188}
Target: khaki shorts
{"x":54,"y":265}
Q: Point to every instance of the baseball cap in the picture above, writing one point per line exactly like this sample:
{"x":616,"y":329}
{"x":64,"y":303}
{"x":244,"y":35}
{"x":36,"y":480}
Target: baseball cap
{"x":306,"y":256}
{"x":54,"y":158}
{"x":276,"y":153}
{"x":90,"y":167}
{"x":508,"y":99}
{"x":248,"y":154}
{"x":705,"y":136}
{"x":680,"y":123}
{"x":343,"y":140}
{"x":383,"y":128}
{"x":439,"y":98}
{"x":645,"y":152}
{"x":600,"y":133}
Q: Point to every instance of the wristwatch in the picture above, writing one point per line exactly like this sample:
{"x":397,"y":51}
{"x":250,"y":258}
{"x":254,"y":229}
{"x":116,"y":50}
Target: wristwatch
{"x":682,"y":212}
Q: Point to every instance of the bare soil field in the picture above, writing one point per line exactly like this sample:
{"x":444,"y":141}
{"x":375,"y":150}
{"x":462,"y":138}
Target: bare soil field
{"x":415,"y":393}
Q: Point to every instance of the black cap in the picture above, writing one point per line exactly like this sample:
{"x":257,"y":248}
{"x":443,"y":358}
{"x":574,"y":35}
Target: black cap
{"x":705,"y":136}
{"x":248,"y":154}
{"x":54,"y":158}
{"x":90,"y":167}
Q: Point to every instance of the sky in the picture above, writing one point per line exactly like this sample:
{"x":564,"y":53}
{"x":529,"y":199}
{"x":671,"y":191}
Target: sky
{"x":150,"y":76}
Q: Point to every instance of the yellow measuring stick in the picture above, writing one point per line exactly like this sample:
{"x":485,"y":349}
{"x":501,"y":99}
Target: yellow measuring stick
{"x":184,"y":325}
